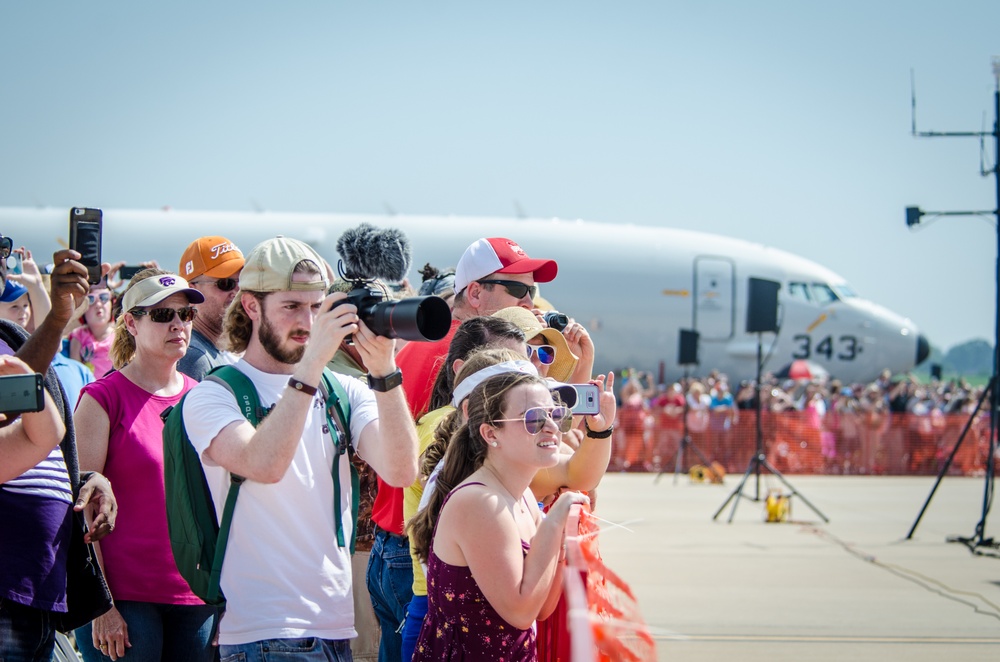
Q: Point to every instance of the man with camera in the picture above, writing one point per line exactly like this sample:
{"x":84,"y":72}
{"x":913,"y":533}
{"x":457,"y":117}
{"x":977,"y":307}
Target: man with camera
{"x":212,"y":266}
{"x":43,"y":505}
{"x":286,"y":578}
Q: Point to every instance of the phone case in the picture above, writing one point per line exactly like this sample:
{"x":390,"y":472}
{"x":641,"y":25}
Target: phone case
{"x":85,"y":232}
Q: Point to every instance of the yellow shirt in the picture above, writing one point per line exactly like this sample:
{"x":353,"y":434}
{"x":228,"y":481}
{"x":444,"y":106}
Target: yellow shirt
{"x":426,"y":428}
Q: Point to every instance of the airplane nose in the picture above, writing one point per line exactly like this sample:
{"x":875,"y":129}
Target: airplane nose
{"x":923,"y":348}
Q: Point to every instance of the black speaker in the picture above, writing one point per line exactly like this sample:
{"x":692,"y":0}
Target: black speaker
{"x":687,"y":348}
{"x":936,"y":371}
{"x":762,"y":305}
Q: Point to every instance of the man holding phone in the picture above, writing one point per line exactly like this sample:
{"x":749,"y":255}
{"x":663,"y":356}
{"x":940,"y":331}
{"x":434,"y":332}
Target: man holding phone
{"x":36,"y":545}
{"x":212,"y":266}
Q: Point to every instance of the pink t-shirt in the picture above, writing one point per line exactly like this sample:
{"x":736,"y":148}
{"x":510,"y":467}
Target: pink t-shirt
{"x":94,"y":353}
{"x":138,"y":561}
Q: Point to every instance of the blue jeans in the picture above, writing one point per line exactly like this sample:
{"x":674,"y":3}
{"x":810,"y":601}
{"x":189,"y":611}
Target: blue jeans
{"x":309,"y":649}
{"x":26,"y":634}
{"x":159,"y":632}
{"x":415,"y":613}
{"x":390,"y":584}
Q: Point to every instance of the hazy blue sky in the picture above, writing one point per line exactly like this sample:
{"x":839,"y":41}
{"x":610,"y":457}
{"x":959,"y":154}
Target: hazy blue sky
{"x":784,"y":122}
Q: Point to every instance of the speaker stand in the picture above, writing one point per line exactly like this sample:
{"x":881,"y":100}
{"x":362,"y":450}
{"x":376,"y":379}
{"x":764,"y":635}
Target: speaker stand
{"x":760,"y":460}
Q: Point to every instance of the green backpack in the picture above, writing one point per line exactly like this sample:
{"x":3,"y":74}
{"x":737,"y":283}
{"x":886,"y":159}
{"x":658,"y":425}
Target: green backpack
{"x":197,"y":537}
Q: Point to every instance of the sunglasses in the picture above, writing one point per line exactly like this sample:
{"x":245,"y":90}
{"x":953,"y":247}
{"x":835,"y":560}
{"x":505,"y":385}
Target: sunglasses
{"x":546,"y":353}
{"x":514,"y":288}
{"x":6,"y":246}
{"x":534,"y":418}
{"x":224,"y":284}
{"x":166,"y":315}
{"x":103,"y":297}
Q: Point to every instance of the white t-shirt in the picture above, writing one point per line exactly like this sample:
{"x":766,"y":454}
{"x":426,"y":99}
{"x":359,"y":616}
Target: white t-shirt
{"x":284,"y":576}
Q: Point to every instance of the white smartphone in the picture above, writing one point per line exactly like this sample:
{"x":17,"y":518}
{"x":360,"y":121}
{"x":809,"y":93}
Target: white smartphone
{"x":588,"y":399}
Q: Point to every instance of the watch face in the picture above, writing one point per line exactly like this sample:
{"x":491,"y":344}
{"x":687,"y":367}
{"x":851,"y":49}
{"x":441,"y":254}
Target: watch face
{"x":386,"y":383}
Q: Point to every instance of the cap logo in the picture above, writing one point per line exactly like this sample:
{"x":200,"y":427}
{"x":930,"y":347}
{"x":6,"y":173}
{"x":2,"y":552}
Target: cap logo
{"x":167,"y":281}
{"x":517,"y":249}
{"x":221,"y":249}
{"x":189,"y":268}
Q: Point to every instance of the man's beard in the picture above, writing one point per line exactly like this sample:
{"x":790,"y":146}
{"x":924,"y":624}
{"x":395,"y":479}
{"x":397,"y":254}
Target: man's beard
{"x":271,"y":343}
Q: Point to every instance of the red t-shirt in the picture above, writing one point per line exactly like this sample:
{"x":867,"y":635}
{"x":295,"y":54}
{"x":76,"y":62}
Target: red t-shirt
{"x":419,"y":362}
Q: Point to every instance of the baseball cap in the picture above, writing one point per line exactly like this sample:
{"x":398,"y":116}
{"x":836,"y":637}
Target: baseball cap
{"x":565,"y":361}
{"x":12,"y":291}
{"x":216,"y":257}
{"x":271,"y":263}
{"x":499,"y":255}
{"x":155,"y":289}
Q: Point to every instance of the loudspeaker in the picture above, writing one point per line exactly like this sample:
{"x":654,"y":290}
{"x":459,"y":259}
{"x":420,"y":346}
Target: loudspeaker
{"x":687,"y":347}
{"x":936,"y":371}
{"x":762,"y":305}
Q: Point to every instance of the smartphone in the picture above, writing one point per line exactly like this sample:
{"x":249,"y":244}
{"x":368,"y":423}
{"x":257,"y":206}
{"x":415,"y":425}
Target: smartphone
{"x":21,"y":393}
{"x":588,"y":399}
{"x":85,"y":228}
{"x":127,"y":272}
{"x":15,"y":264}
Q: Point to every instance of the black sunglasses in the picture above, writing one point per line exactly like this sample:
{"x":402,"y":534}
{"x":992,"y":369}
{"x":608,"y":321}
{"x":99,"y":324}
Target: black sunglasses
{"x":514,"y":288}
{"x":166,"y":315}
{"x":6,"y":245}
{"x":224,"y":284}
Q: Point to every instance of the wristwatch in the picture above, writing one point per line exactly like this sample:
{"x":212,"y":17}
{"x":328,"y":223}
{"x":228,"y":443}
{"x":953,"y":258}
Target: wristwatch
{"x":387,"y":383}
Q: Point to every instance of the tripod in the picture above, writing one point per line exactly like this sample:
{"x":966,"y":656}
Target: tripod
{"x":685,"y":442}
{"x":759,"y":460}
{"x":978,"y":538}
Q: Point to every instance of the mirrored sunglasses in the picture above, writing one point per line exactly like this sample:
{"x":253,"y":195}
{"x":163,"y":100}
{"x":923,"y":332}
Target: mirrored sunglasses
{"x":103,"y":297}
{"x":166,"y":315}
{"x":516,"y":289}
{"x":546,"y":353}
{"x":6,"y":246}
{"x":534,"y":418}
{"x":224,"y":284}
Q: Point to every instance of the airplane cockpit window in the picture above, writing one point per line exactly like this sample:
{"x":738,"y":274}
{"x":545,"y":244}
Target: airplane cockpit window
{"x":823,"y":294}
{"x":799,"y":291}
{"x":845,"y":291}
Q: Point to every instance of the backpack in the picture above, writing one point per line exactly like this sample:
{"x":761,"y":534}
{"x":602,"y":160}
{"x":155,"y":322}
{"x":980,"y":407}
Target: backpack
{"x":198,"y":537}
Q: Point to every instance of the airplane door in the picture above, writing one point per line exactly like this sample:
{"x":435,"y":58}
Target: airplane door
{"x":714,"y":309}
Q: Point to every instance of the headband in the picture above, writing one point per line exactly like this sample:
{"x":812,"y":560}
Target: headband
{"x":469,"y":384}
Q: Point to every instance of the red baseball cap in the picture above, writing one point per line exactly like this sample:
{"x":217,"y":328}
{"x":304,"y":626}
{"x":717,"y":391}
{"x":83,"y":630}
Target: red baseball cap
{"x":498,"y":255}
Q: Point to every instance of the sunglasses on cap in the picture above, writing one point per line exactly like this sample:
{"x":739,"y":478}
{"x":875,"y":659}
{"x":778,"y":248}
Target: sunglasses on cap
{"x":546,"y":353}
{"x":103,"y":297}
{"x":514,"y":288}
{"x":166,"y":315}
{"x":6,"y":246}
{"x":224,"y":284}
{"x":534,"y":418}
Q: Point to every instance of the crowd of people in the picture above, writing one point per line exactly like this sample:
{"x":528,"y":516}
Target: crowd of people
{"x":442,"y":537}
{"x":811,"y":424}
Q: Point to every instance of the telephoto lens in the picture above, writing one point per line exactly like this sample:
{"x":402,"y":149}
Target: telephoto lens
{"x":556,"y":320}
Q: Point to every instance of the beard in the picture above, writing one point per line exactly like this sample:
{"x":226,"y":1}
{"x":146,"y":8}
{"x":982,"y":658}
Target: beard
{"x":271,"y":343}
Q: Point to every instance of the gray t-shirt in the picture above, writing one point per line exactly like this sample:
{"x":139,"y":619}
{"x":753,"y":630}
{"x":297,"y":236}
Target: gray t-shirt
{"x":202,"y":356}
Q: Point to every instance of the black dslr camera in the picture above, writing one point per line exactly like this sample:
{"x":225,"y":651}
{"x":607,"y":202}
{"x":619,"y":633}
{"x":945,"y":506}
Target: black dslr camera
{"x":367,"y":254}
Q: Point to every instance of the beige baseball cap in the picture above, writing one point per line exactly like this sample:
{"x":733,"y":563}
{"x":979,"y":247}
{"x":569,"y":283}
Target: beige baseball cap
{"x":155,"y":289}
{"x":271,"y":263}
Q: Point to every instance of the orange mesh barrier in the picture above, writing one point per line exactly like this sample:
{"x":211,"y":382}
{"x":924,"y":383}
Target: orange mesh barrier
{"x":797,"y":442}
{"x":602,"y":613}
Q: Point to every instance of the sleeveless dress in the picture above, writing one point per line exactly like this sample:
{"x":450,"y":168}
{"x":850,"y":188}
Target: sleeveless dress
{"x":461,"y":624}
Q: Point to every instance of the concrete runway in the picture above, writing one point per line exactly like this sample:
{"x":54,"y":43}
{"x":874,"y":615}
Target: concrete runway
{"x":851,"y":589}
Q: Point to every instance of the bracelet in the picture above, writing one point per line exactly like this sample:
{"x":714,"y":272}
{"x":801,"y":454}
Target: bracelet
{"x":302,"y":386}
{"x":603,"y":434}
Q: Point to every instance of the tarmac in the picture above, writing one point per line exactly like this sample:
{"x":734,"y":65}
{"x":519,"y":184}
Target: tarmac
{"x":852,"y":588}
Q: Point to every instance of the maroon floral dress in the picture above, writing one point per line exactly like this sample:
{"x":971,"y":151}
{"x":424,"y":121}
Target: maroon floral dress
{"x":461,"y":624}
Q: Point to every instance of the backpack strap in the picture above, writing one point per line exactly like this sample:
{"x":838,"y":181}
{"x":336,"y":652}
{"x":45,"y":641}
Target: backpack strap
{"x":338,"y":420}
{"x":246,"y":397}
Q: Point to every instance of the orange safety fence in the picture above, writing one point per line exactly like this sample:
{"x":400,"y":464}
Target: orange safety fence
{"x":600,"y":612}
{"x":799,"y":442}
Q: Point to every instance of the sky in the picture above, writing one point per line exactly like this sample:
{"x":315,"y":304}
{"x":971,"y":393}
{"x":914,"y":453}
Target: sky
{"x":781,"y":122}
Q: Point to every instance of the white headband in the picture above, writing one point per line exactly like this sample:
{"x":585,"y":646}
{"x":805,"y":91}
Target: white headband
{"x":468,"y":384}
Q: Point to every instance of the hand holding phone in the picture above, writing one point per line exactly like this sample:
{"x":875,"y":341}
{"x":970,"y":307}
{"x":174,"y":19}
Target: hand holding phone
{"x":85,"y":234}
{"x":15,"y":263}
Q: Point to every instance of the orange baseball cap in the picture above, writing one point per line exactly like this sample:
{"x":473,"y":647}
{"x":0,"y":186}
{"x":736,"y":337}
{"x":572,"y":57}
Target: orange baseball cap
{"x":216,"y":257}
